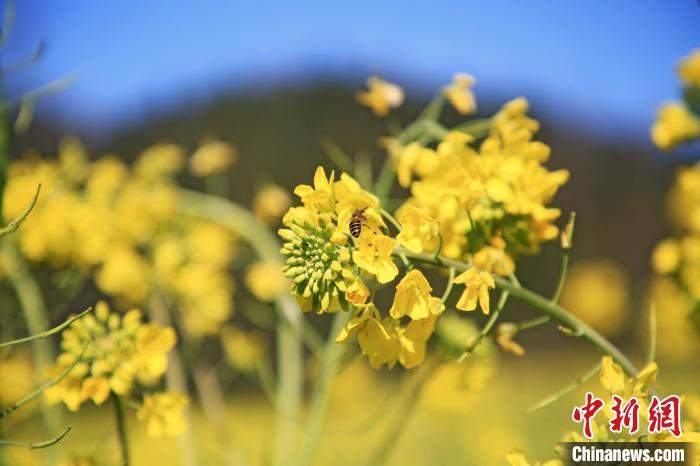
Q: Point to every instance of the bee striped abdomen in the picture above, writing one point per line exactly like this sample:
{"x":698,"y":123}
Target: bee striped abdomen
{"x":355,"y":229}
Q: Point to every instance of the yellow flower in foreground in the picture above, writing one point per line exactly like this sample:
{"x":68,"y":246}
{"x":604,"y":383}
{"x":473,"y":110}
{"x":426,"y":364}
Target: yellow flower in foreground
{"x":675,"y":124}
{"x":460,"y":95}
{"x":516,"y":458}
{"x":418,"y":229}
{"x":270,"y":203}
{"x":266,"y":280}
{"x":357,"y":293}
{"x":163,"y":414}
{"x":412,"y":297}
{"x":96,"y":388}
{"x":689,"y":69}
{"x":612,"y":376}
{"x":381,"y":96}
{"x":477,"y":284}
{"x":212,"y":157}
{"x":374,"y":256}
{"x":596,"y":290}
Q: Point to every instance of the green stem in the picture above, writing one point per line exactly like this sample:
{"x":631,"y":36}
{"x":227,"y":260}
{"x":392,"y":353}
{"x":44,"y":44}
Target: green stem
{"x":526,"y":324}
{"x":487,"y":327}
{"x":651,"y":356}
{"x":404,"y":412}
{"x":450,"y":284}
{"x":289,"y":347}
{"x":34,"y":446}
{"x":319,"y":399}
{"x":43,"y":387}
{"x":175,"y":379}
{"x":562,"y":276}
{"x":567,"y":389}
{"x":121,"y":430}
{"x":336,"y":155}
{"x":35,"y":315}
{"x":543,"y":304}
{"x":46,"y":333}
{"x":14,"y":224}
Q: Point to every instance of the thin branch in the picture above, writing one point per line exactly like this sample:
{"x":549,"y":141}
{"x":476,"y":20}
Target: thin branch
{"x":563,"y":316}
{"x":34,"y":446}
{"x":651,"y":356}
{"x":450,"y":284}
{"x":567,"y":389}
{"x":47,"y":333}
{"x":51,"y":88}
{"x":44,"y":386}
{"x":14,"y":224}
{"x":336,"y":155}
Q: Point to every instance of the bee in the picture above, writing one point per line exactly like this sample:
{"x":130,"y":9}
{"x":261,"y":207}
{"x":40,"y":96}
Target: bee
{"x":357,"y":221}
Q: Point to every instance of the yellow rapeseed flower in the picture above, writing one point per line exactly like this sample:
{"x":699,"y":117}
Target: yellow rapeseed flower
{"x":266,"y":281}
{"x":674,"y":125}
{"x":163,"y":414}
{"x":689,"y":69}
{"x":596,"y":290}
{"x":381,"y":96}
{"x":418,"y":229}
{"x":476,"y":291}
{"x":374,"y":256}
{"x":270,"y":203}
{"x":212,"y":157}
{"x":412,"y":297}
{"x":460,"y":95}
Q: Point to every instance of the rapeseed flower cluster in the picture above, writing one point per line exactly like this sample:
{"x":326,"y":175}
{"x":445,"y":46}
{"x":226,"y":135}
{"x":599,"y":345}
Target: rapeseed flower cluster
{"x":492,"y":193}
{"x":678,"y":122}
{"x":480,"y":200}
{"x":112,"y":354}
{"x":119,"y":224}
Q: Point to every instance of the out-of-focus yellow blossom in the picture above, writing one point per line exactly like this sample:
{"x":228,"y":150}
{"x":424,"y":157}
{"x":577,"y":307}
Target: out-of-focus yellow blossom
{"x":418,"y":229}
{"x":412,"y":297}
{"x":266,"y":280}
{"x":118,"y":352}
{"x":674,"y":125}
{"x":476,"y":289}
{"x":381,"y":96}
{"x":270,"y":203}
{"x":78,"y":461}
{"x":16,"y":366}
{"x":460,"y":95}
{"x":244,"y":350}
{"x":517,"y":458}
{"x":689,"y":69}
{"x":118,"y":224}
{"x":683,"y":199}
{"x":458,"y":387}
{"x":413,"y":159}
{"x":666,"y":256}
{"x":494,"y":260}
{"x":504,"y":337}
{"x":596,"y":290}
{"x":212,"y":157}
{"x":163,"y":414}
{"x":159,"y":161}
{"x":678,"y":338}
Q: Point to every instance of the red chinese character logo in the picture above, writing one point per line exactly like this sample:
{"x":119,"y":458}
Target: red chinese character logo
{"x":586,"y":412}
{"x":665,"y":415}
{"x":626,"y":415}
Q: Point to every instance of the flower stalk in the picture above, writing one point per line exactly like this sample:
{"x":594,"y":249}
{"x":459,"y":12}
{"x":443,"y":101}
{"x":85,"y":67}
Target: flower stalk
{"x":121,"y":430}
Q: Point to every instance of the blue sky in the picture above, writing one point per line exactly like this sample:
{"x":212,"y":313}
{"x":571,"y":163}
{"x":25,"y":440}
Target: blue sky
{"x":605,"y":64}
